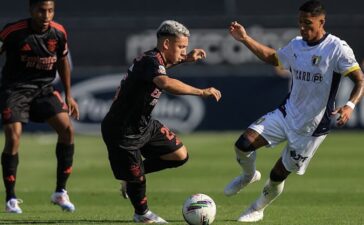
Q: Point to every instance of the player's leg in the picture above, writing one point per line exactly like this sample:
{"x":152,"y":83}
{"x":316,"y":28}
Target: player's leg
{"x":49,"y":107}
{"x":14,"y":107}
{"x":295,"y":158}
{"x":267,"y":131}
{"x":164,"y":150}
{"x":126,"y":165}
{"x":272,"y":189}
{"x":64,"y":153}
{"x":245,"y":149}
{"x":9,"y":162}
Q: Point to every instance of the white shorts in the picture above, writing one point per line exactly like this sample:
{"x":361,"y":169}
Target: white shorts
{"x":299,"y":150}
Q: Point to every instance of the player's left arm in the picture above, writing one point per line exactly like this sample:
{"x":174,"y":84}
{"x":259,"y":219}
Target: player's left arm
{"x":64,"y":71}
{"x":356,"y":94}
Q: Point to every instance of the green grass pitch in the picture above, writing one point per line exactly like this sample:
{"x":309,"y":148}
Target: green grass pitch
{"x":330,"y":193}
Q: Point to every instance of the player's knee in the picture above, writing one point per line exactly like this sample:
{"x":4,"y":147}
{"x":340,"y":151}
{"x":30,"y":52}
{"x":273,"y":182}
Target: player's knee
{"x":278,"y":175}
{"x":243,"y":144}
{"x":137,"y":180}
{"x":66,"y":135}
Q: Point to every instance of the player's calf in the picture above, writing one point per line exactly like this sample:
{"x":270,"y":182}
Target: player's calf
{"x":156,"y":164}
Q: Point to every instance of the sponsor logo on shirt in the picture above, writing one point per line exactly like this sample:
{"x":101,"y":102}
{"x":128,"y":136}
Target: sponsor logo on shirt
{"x":155,"y":94}
{"x":40,"y":63}
{"x":307,"y":76}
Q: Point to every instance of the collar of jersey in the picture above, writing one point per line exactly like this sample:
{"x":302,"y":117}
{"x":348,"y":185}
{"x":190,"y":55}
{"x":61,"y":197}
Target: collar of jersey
{"x":319,"y":41}
{"x":159,"y":52}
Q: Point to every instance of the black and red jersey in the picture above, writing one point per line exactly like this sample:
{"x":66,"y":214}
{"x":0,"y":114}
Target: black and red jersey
{"x":137,"y":96}
{"x":31,"y":58}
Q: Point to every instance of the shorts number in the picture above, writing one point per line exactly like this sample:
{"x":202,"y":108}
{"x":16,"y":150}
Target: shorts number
{"x":169,"y":134}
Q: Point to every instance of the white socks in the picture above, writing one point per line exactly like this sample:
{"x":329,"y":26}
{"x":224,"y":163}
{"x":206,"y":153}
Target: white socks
{"x":270,"y":192}
{"x":246,"y":161}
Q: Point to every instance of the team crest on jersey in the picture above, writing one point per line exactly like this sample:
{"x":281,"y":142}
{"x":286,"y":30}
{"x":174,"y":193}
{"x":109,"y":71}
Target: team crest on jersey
{"x":162,"y":70}
{"x":51,"y":45}
{"x":316,"y":60}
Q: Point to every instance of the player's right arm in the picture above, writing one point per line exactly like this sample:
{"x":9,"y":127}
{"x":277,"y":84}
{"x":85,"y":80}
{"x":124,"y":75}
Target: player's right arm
{"x":177,"y":87}
{"x":263,"y":52}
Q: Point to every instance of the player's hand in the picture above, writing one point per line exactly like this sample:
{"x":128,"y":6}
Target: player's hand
{"x":72,"y":108}
{"x":195,"y":54}
{"x":237,"y":31}
{"x":213,"y":92}
{"x":344,"y":115}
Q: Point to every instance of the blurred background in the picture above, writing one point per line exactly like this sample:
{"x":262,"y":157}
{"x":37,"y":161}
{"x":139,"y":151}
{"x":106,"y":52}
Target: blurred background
{"x":105,"y":36}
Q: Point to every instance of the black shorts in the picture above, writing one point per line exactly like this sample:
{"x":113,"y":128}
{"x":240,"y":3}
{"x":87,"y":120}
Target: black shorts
{"x":24,"y":104}
{"x":126,"y":152}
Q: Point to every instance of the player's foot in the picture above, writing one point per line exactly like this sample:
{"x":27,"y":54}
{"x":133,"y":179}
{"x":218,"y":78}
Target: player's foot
{"x":251,"y":215}
{"x":123,"y":189}
{"x":62,"y":199}
{"x":12,"y":206}
{"x":149,"y":217}
{"x":239,"y":183}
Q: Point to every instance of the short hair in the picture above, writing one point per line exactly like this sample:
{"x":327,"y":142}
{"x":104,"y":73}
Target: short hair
{"x":314,"y":7}
{"x":172,"y":28}
{"x":32,"y":2}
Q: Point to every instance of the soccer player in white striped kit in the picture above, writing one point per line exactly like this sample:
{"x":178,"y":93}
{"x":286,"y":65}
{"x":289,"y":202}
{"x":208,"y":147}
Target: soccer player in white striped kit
{"x":316,"y":60}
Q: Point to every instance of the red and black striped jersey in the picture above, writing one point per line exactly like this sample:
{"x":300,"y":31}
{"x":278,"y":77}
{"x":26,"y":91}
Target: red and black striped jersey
{"x":138,"y":94}
{"x":31,"y":58}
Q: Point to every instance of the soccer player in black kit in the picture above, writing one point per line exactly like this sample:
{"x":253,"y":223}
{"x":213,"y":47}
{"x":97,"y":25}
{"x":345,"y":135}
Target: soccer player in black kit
{"x":35,"y":49}
{"x":128,"y":130}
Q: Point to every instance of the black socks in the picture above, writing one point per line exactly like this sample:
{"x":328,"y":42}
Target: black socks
{"x":9,"y":164}
{"x":64,"y":153}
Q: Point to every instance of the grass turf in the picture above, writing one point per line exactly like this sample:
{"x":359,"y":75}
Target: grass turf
{"x":331,"y":191}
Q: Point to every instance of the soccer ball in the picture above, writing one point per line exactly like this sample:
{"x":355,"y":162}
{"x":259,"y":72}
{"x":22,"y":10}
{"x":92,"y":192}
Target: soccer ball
{"x":199,"y":209}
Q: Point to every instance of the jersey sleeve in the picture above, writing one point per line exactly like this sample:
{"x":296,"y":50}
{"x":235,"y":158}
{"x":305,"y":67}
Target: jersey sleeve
{"x":63,"y":48}
{"x":153,"y":68}
{"x":346,"y":62}
{"x":2,"y":46}
{"x":284,"y":55}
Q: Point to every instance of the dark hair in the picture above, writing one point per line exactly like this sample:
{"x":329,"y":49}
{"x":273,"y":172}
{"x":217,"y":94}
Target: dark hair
{"x":314,"y":7}
{"x":32,"y":2}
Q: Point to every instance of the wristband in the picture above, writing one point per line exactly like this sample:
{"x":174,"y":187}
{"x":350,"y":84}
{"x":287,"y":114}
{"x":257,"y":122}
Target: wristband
{"x":350,"y":104}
